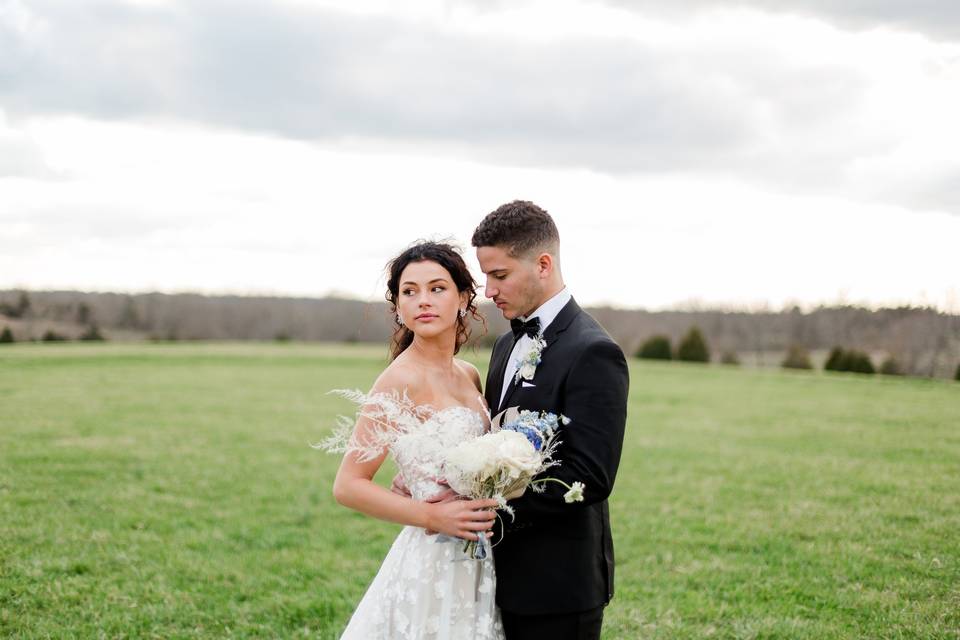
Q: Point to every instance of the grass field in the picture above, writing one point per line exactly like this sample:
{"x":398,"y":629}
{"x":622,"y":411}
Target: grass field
{"x":168,"y":491}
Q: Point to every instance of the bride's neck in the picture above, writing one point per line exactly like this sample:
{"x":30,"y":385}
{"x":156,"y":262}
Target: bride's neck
{"x":434,"y":353}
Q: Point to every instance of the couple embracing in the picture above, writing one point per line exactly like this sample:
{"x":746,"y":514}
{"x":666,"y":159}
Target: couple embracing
{"x":552,"y":569}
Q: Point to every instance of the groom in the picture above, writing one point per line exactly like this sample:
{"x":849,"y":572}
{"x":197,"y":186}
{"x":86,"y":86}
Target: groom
{"x":555,"y":561}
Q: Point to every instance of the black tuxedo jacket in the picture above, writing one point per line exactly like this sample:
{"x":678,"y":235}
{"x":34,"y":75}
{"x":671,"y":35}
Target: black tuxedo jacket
{"x":556,"y":557}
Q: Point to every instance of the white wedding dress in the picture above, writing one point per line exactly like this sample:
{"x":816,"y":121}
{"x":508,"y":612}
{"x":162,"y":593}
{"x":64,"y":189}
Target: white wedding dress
{"x":424,"y":589}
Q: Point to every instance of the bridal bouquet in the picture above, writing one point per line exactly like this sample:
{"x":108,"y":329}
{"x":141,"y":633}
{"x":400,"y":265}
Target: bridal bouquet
{"x":502,"y":464}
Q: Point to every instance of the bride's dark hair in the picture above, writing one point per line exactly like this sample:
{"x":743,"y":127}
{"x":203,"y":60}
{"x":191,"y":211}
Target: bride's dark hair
{"x":448,"y":257}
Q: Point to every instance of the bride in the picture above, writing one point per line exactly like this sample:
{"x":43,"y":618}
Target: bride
{"x":425,"y":401}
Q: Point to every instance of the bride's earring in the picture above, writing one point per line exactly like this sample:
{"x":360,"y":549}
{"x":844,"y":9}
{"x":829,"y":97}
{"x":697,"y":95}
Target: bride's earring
{"x":399,"y":318}
{"x":463,"y":313}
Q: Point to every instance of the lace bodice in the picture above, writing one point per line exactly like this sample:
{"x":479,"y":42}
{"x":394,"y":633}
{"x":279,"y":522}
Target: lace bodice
{"x":416,"y":436}
{"x":419,"y":454}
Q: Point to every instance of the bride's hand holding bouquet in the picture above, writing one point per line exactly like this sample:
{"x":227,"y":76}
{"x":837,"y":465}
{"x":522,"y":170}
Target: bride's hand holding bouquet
{"x":500,"y":465}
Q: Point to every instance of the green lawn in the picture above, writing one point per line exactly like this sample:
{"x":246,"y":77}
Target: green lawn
{"x":158,"y":491}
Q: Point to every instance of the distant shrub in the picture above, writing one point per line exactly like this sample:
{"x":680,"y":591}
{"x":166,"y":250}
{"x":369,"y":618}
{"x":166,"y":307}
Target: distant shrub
{"x":656,"y":348}
{"x":956,"y":376}
{"x":693,"y":348}
{"x":797,"y":358}
{"x":730,"y":357}
{"x":92,"y":334}
{"x":52,"y":336}
{"x":849,"y":360}
{"x":891,"y":367}
{"x":857,"y":362}
{"x":834,"y":360}
{"x":7,"y":336}
{"x":281,"y":336}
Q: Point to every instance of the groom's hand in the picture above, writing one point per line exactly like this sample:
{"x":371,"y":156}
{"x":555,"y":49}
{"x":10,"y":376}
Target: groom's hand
{"x":399,"y":487}
{"x":446,"y":495}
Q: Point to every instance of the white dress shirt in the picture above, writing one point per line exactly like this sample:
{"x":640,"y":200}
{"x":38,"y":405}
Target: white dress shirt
{"x":547,"y":312}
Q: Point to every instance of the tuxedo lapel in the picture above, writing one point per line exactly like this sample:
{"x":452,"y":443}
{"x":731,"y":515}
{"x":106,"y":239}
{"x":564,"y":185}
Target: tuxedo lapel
{"x":498,"y":366}
{"x":561,"y":322}
{"x":511,"y":387}
{"x":550,"y":335}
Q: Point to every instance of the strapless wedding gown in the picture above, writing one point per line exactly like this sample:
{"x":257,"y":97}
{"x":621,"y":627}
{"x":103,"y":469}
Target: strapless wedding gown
{"x":425,"y":589}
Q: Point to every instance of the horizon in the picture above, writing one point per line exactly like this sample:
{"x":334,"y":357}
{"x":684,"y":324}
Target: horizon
{"x":690,"y":306}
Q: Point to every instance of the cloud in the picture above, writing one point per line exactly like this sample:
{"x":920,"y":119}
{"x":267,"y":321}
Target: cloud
{"x":937,"y":18}
{"x":20,"y":155}
{"x":718,"y":105}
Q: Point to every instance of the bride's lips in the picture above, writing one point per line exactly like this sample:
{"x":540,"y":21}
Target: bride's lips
{"x":426,"y":317}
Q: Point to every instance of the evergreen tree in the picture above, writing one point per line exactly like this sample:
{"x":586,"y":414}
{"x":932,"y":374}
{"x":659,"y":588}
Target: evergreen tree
{"x":656,"y":348}
{"x":835,"y":360}
{"x":858,"y":362}
{"x":693,"y":348}
{"x":6,"y":336}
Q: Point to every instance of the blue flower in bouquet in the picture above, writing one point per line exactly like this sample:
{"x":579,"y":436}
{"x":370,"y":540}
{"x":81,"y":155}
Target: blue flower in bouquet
{"x":533,"y":435}
{"x":537,"y":427}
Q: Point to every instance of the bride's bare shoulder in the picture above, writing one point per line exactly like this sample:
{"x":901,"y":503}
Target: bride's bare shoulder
{"x":471,"y":371}
{"x":399,"y":377}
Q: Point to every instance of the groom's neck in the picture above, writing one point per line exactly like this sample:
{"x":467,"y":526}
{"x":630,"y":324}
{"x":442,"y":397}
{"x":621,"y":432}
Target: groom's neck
{"x":551,"y":290}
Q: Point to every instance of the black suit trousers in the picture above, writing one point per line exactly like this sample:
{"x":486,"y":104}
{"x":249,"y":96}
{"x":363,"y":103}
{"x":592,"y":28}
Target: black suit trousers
{"x":584,"y":625}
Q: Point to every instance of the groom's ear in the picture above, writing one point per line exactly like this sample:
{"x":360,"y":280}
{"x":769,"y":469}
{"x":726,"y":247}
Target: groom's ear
{"x":546,"y":263}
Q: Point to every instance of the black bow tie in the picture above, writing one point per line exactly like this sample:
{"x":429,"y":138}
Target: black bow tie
{"x":530,"y":328}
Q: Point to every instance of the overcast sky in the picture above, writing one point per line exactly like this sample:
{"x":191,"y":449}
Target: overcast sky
{"x":699,"y":152}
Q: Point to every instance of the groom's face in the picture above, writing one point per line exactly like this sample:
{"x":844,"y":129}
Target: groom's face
{"x":512,"y":283}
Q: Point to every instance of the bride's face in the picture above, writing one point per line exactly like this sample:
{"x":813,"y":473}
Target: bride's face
{"x":428,"y":300}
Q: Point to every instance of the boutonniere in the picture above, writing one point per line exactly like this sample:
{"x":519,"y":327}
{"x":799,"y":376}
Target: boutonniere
{"x":527,"y":367}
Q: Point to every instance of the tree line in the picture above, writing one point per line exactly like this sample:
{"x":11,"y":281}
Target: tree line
{"x":922,"y":341}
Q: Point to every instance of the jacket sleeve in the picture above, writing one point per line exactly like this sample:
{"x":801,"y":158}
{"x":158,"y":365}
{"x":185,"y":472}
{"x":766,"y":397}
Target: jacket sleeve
{"x":596,"y":403}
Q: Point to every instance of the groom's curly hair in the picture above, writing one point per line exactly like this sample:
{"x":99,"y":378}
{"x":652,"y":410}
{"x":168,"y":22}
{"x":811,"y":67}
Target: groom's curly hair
{"x":520,"y":227}
{"x":448,"y":257}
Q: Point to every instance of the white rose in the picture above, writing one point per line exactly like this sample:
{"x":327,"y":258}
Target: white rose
{"x":516,"y":455}
{"x":472,"y":461}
